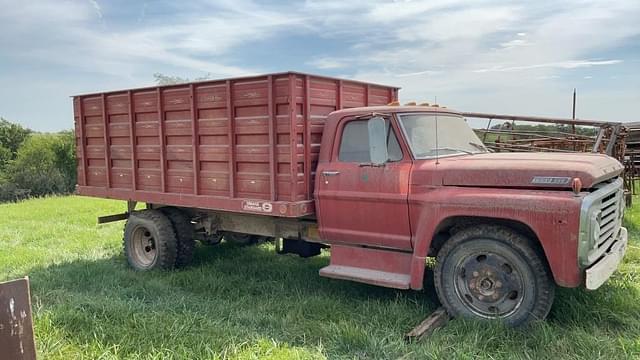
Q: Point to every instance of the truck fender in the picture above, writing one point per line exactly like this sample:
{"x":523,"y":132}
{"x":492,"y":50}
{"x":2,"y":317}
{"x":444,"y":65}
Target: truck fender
{"x":554,"y":231}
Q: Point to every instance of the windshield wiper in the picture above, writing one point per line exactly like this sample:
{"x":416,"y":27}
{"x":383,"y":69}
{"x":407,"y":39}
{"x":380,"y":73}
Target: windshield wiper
{"x":452,"y":149}
{"x":479,"y":146}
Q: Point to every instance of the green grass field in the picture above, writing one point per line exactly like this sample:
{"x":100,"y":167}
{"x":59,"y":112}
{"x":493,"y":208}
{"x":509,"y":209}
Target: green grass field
{"x":249,"y":303}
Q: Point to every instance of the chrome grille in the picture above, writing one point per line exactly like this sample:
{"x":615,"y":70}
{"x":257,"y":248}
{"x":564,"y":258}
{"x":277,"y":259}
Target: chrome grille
{"x":600,"y":220}
{"x":609,"y":219}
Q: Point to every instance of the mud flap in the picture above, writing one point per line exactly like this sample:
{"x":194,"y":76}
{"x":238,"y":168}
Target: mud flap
{"x":16,"y":325}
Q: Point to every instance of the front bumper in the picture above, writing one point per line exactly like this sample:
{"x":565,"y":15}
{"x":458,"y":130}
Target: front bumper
{"x":601,"y":270}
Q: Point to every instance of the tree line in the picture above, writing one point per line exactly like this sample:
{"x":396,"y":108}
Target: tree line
{"x":34,"y":163}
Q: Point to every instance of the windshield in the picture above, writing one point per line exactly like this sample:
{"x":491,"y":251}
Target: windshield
{"x":455,"y":137}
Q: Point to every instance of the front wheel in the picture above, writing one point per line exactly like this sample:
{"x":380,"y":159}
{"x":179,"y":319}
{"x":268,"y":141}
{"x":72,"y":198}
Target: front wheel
{"x":493,"y":272}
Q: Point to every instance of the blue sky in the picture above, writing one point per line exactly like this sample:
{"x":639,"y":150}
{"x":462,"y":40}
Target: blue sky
{"x":504,"y":57}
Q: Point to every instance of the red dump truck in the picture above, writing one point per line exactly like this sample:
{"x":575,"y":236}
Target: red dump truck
{"x":316,"y":162}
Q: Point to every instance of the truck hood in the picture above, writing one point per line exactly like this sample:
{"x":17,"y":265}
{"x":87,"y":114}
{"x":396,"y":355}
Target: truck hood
{"x":546,"y":170}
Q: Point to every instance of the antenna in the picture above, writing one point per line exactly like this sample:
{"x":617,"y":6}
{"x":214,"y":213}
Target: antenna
{"x":437,"y":149}
{"x":573,"y":112}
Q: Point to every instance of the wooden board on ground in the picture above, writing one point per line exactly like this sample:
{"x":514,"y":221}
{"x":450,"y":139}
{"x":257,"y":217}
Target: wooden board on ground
{"x":437,"y":319}
{"x":16,"y":326}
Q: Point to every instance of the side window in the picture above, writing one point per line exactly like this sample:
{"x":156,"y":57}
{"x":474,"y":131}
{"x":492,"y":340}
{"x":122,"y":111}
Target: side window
{"x":354,"y":145}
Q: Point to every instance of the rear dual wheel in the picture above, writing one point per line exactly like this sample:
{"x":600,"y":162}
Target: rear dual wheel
{"x":150,"y":241}
{"x":183,"y":228}
{"x":158,"y":239}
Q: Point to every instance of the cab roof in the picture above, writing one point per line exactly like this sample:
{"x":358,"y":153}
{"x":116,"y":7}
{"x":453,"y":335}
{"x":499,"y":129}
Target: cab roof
{"x":392,"y":109}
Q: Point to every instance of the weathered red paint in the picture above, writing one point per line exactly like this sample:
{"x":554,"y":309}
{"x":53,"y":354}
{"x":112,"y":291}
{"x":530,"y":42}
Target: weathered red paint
{"x":491,"y":186}
{"x":213,"y":144}
{"x":513,"y":170}
{"x":374,"y":266}
{"x":269,"y":144}
{"x":378,"y":192}
{"x":551,"y":215}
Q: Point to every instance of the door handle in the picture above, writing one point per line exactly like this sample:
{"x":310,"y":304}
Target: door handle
{"x":330,"y":173}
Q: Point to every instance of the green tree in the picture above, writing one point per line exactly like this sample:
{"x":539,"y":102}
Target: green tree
{"x":43,"y":164}
{"x":12,"y":135}
{"x":65,"y":155}
{"x":5,"y":157}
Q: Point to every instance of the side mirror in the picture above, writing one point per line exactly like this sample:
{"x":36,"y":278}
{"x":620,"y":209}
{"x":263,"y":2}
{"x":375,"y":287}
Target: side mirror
{"x":377,"y":140}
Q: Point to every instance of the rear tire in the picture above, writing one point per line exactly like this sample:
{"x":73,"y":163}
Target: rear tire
{"x":184,"y":235}
{"x":149,"y":241}
{"x":492,"y":272}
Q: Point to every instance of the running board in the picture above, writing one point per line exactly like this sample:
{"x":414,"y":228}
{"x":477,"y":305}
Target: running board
{"x":371,"y":266}
{"x":374,"y":277}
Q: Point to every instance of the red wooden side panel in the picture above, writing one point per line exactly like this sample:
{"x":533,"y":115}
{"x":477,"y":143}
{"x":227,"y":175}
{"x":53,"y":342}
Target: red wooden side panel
{"x":145,"y":122}
{"x":80,"y":167}
{"x":118,"y":157}
{"x":93,"y":149}
{"x":251,"y":144}
{"x":254,"y":138}
{"x":213,"y":135}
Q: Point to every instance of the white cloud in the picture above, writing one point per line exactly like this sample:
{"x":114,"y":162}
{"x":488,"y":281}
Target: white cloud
{"x":489,"y":55}
{"x":547,"y":77}
{"x":328,"y":63}
{"x":515,"y":43}
{"x":470,"y":23}
{"x":97,"y":7}
{"x":478,"y":52}
{"x":570,"y":64}
{"x":396,"y":11}
{"x":419,"y":73}
{"x":192,"y":43}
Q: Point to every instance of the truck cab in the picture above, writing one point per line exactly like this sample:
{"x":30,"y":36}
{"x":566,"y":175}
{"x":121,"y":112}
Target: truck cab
{"x":397,"y":184}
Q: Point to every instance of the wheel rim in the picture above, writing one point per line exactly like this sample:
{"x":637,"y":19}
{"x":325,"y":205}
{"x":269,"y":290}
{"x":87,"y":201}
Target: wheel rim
{"x":489,"y":285}
{"x":144,"y":246}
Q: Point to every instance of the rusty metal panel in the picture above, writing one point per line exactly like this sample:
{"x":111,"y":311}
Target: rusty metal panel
{"x":222,"y":143}
{"x":16,"y":325}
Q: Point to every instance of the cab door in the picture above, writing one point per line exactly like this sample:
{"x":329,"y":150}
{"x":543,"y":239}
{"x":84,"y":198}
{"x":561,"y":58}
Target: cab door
{"x":360,"y":202}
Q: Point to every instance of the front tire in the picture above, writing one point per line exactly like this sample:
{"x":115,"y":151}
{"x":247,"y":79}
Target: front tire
{"x":149,"y":241}
{"x":492,"y":272}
